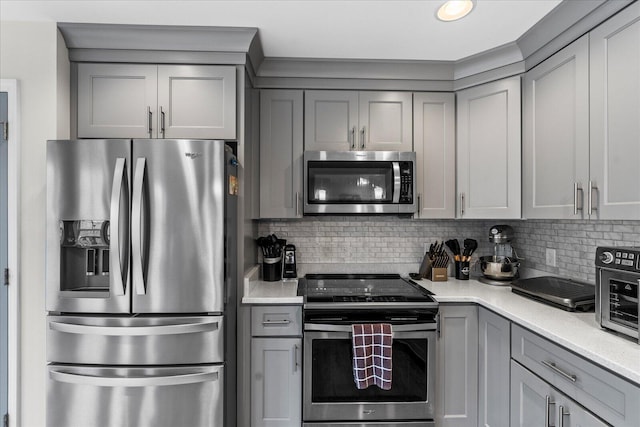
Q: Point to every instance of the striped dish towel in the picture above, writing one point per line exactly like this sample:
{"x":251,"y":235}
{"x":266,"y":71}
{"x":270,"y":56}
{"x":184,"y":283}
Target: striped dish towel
{"x":372,"y":355}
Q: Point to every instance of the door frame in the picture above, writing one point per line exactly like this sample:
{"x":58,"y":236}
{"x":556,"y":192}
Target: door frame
{"x":11,"y":86}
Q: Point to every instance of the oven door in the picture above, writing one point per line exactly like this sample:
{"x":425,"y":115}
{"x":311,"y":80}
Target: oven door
{"x":618,"y":301}
{"x":330,"y":393}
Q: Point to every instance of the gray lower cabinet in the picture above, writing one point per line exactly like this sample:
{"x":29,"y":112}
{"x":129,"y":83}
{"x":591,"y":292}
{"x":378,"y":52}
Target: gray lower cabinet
{"x":281,"y":149}
{"x":457,"y":362}
{"x":156,"y":101}
{"x":535,"y":403}
{"x":276,"y":366}
{"x":494,"y":356}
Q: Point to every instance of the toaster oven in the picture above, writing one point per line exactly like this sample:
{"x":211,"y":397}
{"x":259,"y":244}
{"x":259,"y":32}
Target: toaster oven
{"x":617,"y":283}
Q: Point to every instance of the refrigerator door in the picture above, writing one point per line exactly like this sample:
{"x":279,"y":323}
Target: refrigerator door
{"x":135,"y":396}
{"x":96,"y":340}
{"x":87,"y":229}
{"x":177,"y":226}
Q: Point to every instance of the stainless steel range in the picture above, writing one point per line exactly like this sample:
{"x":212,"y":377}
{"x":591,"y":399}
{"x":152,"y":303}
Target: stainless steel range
{"x":333,"y":303}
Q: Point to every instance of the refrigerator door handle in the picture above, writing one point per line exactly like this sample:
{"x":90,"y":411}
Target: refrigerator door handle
{"x":181,"y":328}
{"x":137,"y":226}
{"x":119,"y":278}
{"x":168,"y":380}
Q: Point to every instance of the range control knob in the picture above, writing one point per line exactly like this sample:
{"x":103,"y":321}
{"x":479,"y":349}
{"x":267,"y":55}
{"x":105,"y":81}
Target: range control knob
{"x":606,"y":257}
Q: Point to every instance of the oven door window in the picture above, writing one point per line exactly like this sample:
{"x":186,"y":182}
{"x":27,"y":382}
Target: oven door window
{"x":349,"y":182}
{"x":332,"y":373}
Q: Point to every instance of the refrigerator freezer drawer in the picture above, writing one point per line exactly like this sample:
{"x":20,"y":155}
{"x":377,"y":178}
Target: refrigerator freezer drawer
{"x":135,"y":340}
{"x":135,"y":396}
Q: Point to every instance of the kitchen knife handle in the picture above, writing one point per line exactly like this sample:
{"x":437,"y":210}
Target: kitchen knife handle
{"x":136,"y":226}
{"x":576,"y":188}
{"x":362,"y":137}
{"x":119,"y":179}
{"x":547,"y":410}
{"x":591,"y":208}
{"x":150,"y":121}
{"x":162,"y":121}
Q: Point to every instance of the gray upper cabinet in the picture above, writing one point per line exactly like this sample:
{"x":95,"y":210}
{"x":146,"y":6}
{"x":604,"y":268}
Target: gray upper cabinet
{"x":489,"y":150}
{"x":615,"y":116}
{"x":349,"y":120}
{"x":116,"y":101}
{"x":434,"y":143}
{"x":494,"y":356}
{"x":156,"y":101}
{"x":556,"y":134}
{"x":281,"y":153}
{"x":197,"y":101}
{"x":457,"y":361}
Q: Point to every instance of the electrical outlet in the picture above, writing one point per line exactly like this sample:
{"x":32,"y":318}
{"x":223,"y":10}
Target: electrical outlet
{"x":551,"y":257}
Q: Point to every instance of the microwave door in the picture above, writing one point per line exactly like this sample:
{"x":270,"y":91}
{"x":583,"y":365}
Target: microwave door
{"x":177,"y":226}
{"x":87,"y":226}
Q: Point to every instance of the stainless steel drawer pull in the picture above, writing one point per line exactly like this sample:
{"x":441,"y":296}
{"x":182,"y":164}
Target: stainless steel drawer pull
{"x":275,"y":322}
{"x":554,"y":368}
{"x":561,"y":415}
{"x":547,"y":410}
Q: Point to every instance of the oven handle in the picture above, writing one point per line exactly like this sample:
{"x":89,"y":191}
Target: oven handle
{"x":323,"y":327}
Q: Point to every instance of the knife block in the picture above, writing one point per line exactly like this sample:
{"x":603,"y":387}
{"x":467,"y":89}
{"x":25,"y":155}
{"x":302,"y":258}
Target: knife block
{"x":434,"y":274}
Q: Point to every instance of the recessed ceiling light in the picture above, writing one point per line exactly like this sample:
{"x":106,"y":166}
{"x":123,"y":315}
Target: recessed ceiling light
{"x":454,"y":9}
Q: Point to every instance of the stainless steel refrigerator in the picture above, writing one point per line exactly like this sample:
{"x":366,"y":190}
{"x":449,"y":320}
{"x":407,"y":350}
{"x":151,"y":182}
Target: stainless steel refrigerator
{"x":141,"y":283}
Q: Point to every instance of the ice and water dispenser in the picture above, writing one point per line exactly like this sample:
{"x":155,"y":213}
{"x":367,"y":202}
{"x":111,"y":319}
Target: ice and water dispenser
{"x":84,"y":255}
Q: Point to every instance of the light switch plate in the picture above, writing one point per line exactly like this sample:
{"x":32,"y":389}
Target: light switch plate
{"x":551,"y":257}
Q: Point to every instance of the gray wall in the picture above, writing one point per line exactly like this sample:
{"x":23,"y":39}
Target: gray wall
{"x":375,"y":241}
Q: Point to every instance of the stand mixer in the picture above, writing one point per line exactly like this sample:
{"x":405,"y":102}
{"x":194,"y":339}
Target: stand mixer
{"x":501,"y":267}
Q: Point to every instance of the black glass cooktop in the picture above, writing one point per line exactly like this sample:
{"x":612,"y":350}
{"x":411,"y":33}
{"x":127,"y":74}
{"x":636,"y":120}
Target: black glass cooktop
{"x":354,"y":288}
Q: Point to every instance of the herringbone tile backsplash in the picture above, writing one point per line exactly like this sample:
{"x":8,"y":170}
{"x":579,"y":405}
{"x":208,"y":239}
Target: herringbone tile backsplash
{"x":377,"y":241}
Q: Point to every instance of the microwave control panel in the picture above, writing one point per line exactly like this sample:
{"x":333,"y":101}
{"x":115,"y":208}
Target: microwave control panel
{"x":619,"y":258}
{"x":406,"y":182}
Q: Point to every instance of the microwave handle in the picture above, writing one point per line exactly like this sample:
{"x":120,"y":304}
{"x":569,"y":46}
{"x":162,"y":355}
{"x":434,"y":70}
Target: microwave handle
{"x":396,"y":182}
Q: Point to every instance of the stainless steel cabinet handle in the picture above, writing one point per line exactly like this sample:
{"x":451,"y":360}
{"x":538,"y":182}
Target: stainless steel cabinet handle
{"x":561,"y":415}
{"x":576,"y":188}
{"x":295,"y":358}
{"x":275,"y":322}
{"x":547,"y":410}
{"x":438,"y":324}
{"x":180,"y":328}
{"x":162,"y":121}
{"x":150,"y":121}
{"x":137,"y":226}
{"x":168,"y":380}
{"x":362,"y":137}
{"x":116,"y":250}
{"x":419,"y":204}
{"x":297,"y":203}
{"x":557,"y":370}
{"x":322,"y":327}
{"x":591,"y":208}
{"x":353,"y":138}
{"x":461,"y":204}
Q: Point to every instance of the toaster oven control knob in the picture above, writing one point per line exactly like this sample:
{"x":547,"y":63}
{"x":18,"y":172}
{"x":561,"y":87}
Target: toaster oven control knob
{"x":606,"y":257}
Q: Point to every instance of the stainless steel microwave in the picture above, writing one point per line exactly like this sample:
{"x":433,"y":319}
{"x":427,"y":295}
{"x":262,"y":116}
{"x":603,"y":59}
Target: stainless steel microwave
{"x":359,"y":182}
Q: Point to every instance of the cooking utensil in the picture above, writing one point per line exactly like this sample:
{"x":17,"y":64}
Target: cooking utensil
{"x":470,"y":245}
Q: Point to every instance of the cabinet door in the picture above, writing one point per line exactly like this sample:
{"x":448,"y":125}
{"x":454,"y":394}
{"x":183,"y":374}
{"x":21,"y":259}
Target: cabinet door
{"x":615,"y":113}
{"x":457,"y":361}
{"x":570,"y":414}
{"x":434,"y":143}
{"x":331,"y":120}
{"x":556,"y":134}
{"x":280,"y":153}
{"x":196,"y":101}
{"x":276,"y":386}
{"x":116,"y":100}
{"x":488,"y":162}
{"x":385,"y":121}
{"x":494,"y":339}
{"x":532,"y":400}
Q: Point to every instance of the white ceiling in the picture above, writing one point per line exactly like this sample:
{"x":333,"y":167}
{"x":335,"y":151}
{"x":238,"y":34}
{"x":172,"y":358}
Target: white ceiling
{"x":338,"y":29}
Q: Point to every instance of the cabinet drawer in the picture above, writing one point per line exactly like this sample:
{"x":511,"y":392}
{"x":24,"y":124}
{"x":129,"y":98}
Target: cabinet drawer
{"x":610,"y":397}
{"x":276,"y":320}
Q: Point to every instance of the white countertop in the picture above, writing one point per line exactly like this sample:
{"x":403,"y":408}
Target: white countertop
{"x":575,"y":331}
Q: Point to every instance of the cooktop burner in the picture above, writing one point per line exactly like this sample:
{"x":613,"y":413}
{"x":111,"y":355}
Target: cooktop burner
{"x":361,"y":288}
